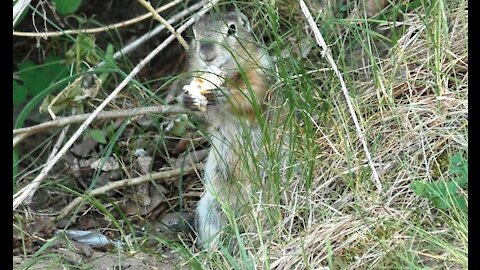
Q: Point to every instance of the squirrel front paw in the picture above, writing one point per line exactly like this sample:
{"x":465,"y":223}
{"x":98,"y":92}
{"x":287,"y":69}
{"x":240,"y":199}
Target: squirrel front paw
{"x":192,"y":102}
{"x":212,"y":97}
{"x":216,"y":96}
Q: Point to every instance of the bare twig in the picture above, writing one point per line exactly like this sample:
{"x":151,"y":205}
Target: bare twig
{"x":130,"y":47}
{"x":159,"y":18}
{"x":26,"y":193}
{"x":18,"y":9}
{"x":328,"y":55}
{"x":128,"y":182}
{"x":96,"y":29}
{"x":17,"y":139}
{"x":60,"y":122}
{"x":115,"y":92}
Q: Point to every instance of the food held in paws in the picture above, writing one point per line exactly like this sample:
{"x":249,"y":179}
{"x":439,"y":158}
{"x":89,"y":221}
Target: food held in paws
{"x":201,"y":85}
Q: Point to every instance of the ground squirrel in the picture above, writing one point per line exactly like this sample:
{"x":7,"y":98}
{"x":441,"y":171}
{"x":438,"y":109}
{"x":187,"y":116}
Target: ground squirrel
{"x":225,"y":54}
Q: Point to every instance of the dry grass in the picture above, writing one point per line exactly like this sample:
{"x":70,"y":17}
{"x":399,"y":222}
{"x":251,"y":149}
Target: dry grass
{"x":412,"y":105}
{"x":409,"y":128}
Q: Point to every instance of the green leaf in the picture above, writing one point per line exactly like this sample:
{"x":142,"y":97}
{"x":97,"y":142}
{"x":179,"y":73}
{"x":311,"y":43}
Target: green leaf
{"x":66,"y":7}
{"x":461,"y":202}
{"x":37,"y":78}
{"x":439,"y":202}
{"x":455,"y":166}
{"x":179,"y":125}
{"x":70,"y":57}
{"x":97,"y":135}
{"x":109,"y":59}
{"x":445,"y":194}
{"x":19,"y":93}
{"x":461,"y":181}
{"x":88,"y":49}
{"x":442,"y":194}
{"x":459,"y":166}
{"x":109,"y":53}
{"x":418,"y":187}
{"x":82,"y":50}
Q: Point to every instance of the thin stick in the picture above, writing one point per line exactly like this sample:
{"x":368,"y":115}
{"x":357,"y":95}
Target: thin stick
{"x":63,"y":121}
{"x":326,"y":53}
{"x":18,"y":9}
{"x":128,"y":182}
{"x":81,"y":129}
{"x":130,"y":47}
{"x":30,"y":189}
{"x":159,"y":18}
{"x":133,"y":45}
{"x":96,"y":29}
{"x":55,"y":149}
{"x":17,"y":139}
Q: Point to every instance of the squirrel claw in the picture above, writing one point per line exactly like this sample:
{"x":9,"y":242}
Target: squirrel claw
{"x":189,"y":102}
{"x":216,"y":96}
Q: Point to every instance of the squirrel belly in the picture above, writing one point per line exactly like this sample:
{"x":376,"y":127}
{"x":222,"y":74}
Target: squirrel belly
{"x":225,"y":184}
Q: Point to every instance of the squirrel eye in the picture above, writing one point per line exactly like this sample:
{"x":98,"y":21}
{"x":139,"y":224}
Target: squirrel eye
{"x":232,"y":29}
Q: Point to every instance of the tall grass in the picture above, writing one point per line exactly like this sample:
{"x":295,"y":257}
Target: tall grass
{"x":402,"y":82}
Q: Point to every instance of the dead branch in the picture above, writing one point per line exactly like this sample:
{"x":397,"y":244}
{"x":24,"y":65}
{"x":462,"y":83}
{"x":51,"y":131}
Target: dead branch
{"x":129,"y":182}
{"x":159,"y":18}
{"x":63,"y":121}
{"x":27,"y":191}
{"x":55,"y":149}
{"x":132,"y":46}
{"x":96,"y":29}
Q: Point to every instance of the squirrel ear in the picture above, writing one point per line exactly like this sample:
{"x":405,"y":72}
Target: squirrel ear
{"x":244,"y":21}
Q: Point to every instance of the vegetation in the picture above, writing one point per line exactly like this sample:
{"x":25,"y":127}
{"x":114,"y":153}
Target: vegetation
{"x":405,"y":66}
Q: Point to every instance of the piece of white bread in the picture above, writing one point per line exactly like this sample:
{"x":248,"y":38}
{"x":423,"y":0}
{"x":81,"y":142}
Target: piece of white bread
{"x":199,"y":86}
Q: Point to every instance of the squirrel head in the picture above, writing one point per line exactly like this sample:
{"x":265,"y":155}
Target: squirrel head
{"x":223,"y":41}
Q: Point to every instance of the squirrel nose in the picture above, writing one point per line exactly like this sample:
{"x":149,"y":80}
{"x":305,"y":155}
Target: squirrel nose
{"x":207,"y":51}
